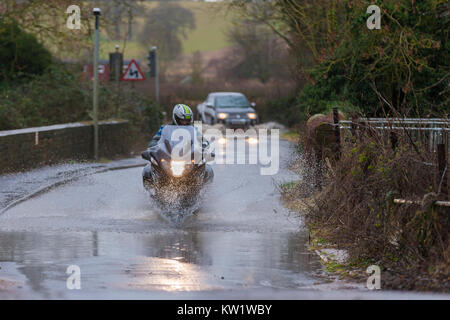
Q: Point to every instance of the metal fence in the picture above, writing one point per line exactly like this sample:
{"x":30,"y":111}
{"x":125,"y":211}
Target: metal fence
{"x":432,"y":133}
{"x":428,"y":131}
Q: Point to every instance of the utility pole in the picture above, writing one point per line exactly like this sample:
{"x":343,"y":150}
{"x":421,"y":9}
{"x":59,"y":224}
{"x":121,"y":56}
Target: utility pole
{"x":97,"y":12}
{"x":117,"y":68}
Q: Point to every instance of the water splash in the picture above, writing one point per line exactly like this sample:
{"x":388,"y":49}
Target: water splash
{"x":176,"y":206}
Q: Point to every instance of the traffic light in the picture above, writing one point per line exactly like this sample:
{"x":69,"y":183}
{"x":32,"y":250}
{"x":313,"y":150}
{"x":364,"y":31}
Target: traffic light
{"x":152,"y":63}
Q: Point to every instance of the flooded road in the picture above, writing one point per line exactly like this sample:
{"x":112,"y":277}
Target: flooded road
{"x":241,"y":244}
{"x":240,"y":239}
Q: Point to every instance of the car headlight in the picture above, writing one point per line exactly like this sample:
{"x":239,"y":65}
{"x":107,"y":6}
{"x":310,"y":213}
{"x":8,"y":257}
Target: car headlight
{"x":222,"y":115}
{"x":251,"y":115}
{"x":177,"y":168}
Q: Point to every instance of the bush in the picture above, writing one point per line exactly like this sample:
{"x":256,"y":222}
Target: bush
{"x":321,"y":98}
{"x":58,"y":96}
{"x":21,"y":55}
{"x":54,"y":97}
{"x":283,"y":110}
{"x":400,"y":69}
{"x":356,"y":211}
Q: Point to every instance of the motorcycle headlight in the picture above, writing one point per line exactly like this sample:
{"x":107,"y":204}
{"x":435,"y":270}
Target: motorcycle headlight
{"x":222,"y":115}
{"x":177,"y":168}
{"x":251,"y":115}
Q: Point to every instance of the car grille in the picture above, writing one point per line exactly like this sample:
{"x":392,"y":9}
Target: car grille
{"x":238,"y":115}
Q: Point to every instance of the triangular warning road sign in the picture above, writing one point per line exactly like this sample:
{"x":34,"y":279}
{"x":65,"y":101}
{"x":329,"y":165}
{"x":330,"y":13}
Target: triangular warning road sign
{"x":133,"y":73}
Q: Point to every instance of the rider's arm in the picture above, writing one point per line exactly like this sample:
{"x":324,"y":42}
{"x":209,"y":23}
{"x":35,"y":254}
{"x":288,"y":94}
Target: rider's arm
{"x":155,"y":138}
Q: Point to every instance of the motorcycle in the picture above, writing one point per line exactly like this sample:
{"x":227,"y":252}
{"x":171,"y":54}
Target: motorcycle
{"x":177,"y":169}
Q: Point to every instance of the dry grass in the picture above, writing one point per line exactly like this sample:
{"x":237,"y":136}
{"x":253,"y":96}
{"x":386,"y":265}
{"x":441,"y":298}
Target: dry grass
{"x":355,"y":210}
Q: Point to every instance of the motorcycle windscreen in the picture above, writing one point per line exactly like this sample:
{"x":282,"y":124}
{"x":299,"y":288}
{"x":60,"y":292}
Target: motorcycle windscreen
{"x":180,"y":143}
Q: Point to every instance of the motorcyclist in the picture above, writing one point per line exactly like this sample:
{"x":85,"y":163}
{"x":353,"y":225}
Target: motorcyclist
{"x":182,"y":115}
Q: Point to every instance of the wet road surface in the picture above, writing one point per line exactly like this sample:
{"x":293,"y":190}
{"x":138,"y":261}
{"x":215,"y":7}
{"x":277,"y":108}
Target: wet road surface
{"x":242,"y":243}
{"x":240,"y":239}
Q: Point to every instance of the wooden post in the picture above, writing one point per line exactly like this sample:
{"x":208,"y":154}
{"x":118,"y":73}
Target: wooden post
{"x":337,"y":132}
{"x":362,"y":126}
{"x":394,"y":140}
{"x":354,"y":128}
{"x":442,"y":170}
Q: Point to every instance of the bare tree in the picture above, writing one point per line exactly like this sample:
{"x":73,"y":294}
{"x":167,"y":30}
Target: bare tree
{"x":258,"y":51}
{"x":122,"y":13}
{"x":197,"y":67}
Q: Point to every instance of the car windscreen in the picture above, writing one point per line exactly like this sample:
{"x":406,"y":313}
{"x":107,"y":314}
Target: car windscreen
{"x":231,"y":101}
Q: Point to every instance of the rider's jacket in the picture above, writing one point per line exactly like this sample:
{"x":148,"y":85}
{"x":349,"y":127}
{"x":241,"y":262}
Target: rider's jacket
{"x":157,"y":136}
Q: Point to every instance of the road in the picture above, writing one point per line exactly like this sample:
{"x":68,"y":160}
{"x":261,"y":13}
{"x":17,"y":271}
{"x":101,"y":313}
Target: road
{"x":242,"y":243}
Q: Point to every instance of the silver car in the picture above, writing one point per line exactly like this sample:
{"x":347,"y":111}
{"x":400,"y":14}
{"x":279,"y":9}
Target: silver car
{"x":229,"y":108}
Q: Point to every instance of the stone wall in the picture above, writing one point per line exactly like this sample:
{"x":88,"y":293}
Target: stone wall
{"x":32,"y":147}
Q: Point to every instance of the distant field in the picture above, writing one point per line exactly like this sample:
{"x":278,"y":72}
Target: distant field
{"x":212,"y":22}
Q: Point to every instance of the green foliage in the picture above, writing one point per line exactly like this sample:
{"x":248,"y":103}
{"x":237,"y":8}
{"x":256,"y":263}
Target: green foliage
{"x":54,"y":97}
{"x":283,"y":110}
{"x":152,"y":118}
{"x":322,"y":96}
{"x":402,"y":68}
{"x":288,"y":185}
{"x":46,"y":20}
{"x":57,"y":96}
{"x":334,"y":267}
{"x":21,"y":55}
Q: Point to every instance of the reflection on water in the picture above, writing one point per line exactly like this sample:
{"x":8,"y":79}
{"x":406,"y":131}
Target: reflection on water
{"x":180,"y":246}
{"x":170,"y":261}
{"x":241,"y":238}
{"x":168,"y":275}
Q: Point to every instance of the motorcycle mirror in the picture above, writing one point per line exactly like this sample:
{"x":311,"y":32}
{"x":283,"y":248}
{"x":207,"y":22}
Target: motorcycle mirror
{"x":145,"y":155}
{"x":253,"y":104}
